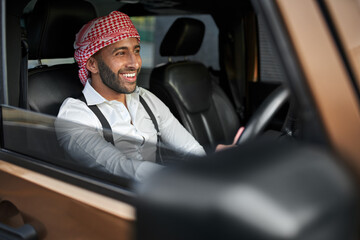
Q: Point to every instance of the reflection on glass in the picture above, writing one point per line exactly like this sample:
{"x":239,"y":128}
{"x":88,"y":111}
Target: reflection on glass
{"x":80,"y":147}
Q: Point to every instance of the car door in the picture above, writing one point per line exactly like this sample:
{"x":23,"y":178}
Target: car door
{"x":39,"y":197}
{"x":261,"y":190}
{"x":50,"y":199}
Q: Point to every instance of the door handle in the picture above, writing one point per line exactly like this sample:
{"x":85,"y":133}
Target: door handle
{"x":25,"y":232}
{"x":12,"y":226}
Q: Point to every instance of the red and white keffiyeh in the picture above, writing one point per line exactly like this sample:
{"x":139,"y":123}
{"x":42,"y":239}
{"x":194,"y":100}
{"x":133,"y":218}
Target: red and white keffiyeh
{"x":100,"y":33}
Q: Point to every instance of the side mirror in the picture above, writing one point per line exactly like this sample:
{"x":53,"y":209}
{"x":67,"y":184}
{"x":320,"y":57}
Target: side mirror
{"x":260,"y":190}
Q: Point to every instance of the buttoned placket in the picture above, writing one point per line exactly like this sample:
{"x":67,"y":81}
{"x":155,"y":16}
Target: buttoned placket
{"x":128,"y":115}
{"x":133,"y":106}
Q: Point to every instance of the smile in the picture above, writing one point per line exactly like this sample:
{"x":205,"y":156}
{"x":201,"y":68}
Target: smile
{"x":129,"y":75}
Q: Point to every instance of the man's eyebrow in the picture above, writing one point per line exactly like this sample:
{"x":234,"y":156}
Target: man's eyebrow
{"x":123,"y":48}
{"x":119,"y":48}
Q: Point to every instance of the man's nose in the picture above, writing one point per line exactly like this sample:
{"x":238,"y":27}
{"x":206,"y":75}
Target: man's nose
{"x":134,"y":61}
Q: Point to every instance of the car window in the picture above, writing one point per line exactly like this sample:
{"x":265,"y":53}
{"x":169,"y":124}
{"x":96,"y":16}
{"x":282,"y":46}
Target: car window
{"x":34,"y":135}
{"x":37,"y":136}
{"x":152,"y":30}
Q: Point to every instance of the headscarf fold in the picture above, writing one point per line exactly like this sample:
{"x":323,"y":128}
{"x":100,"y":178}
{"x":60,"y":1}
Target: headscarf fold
{"x":98,"y":34}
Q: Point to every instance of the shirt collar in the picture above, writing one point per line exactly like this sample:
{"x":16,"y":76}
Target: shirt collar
{"x":94,"y":98}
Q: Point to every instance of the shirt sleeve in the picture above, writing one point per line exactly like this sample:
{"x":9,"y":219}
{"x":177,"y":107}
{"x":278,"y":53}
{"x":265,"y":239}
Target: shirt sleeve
{"x":79,"y":133}
{"x":172,"y":131}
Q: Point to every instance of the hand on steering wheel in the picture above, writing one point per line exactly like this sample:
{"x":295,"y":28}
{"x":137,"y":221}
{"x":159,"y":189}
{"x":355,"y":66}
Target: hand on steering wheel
{"x":236,"y":139}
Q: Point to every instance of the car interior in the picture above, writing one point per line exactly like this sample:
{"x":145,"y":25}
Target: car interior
{"x":210,"y":115}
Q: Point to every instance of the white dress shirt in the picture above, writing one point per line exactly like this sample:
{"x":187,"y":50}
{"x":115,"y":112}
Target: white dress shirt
{"x":134,"y":134}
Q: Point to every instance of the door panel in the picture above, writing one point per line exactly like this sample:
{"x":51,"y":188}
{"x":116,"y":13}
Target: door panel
{"x":60,"y":210}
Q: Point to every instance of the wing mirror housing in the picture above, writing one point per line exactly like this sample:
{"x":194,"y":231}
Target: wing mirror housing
{"x":260,"y":190}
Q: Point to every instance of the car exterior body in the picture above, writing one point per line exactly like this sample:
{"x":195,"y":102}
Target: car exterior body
{"x":306,"y":192}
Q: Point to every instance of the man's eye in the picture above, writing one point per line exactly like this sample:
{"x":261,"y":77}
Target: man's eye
{"x":137,"y":51}
{"x":120,"y":53}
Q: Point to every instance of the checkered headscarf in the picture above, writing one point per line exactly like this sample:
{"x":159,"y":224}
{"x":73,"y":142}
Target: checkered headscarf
{"x":100,"y":33}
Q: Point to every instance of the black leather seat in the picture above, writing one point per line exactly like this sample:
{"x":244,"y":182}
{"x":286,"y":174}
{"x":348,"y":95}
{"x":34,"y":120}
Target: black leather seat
{"x":51,"y":34}
{"x":188,"y":89}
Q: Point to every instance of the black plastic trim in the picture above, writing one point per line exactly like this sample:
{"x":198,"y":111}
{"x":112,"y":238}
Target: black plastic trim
{"x":25,"y":232}
{"x":330,"y":23}
{"x":3,"y":65}
{"x":1,"y":129}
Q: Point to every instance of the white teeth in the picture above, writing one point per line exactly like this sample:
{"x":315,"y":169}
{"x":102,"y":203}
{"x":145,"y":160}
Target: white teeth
{"x":129,"y":75}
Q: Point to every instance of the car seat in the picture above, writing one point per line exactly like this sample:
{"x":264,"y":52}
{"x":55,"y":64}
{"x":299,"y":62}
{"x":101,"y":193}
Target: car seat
{"x":187,"y":88}
{"x":51,"y":35}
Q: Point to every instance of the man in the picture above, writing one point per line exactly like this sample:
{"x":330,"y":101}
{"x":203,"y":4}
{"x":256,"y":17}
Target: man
{"x":107,"y":50}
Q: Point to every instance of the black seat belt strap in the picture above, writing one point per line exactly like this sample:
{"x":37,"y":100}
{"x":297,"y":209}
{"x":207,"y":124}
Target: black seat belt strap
{"x":107,"y":131}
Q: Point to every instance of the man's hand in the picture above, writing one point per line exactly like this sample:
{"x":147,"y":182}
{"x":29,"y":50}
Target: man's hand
{"x":236,"y":138}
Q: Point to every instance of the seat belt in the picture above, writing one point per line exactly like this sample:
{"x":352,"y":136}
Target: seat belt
{"x":107,"y":131}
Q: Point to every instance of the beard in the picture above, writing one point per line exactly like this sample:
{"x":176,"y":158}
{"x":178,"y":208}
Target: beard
{"x":113,"y":80}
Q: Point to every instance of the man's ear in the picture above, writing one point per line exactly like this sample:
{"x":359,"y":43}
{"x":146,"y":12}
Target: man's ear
{"x":92,"y":65}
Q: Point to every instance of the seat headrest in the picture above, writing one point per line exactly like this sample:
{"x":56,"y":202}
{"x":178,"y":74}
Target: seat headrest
{"x":183,"y":38}
{"x":52,"y":27}
{"x":190,"y":83}
{"x":50,"y":86}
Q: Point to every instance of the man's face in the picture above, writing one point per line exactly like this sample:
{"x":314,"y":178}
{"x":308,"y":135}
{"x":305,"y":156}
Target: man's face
{"x":119,"y":64}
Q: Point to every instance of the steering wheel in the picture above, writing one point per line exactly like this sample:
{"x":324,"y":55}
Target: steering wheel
{"x":264,"y":114}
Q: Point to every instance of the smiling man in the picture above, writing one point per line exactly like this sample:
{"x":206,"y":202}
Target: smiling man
{"x":114,"y":69}
{"x":107,"y":50}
